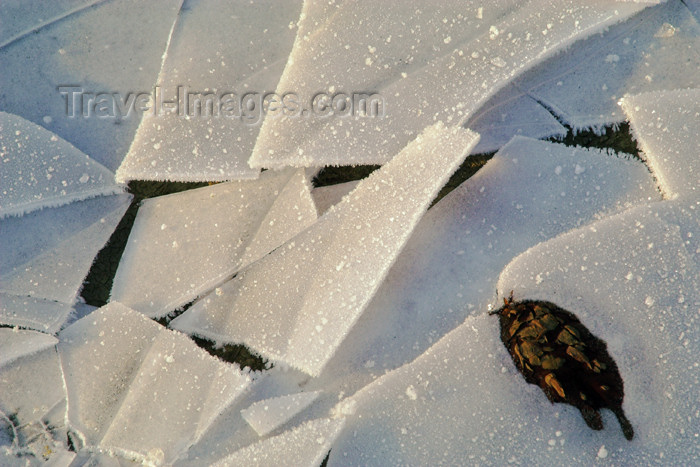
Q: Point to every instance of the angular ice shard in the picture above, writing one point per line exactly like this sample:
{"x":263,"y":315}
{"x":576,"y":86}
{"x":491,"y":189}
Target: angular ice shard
{"x":41,"y":170}
{"x":367,"y":86}
{"x":269,"y":414}
{"x":33,"y":313}
{"x":305,"y":445}
{"x":184,"y":244}
{"x":508,"y":113}
{"x":634,"y":280}
{"x":309,"y":292}
{"x":529,"y":192}
{"x":46,"y":254}
{"x":222,"y":61}
{"x":138,"y":389}
{"x":327,"y":196}
{"x":655,"y":50}
{"x":89,"y":62}
{"x":15,"y":343}
{"x":32,"y":399}
{"x":667,"y":126}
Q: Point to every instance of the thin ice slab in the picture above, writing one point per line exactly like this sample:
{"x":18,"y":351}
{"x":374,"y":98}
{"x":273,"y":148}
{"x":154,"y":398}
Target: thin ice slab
{"x":666,"y":125}
{"x":269,"y":414}
{"x":327,"y":196}
{"x":46,"y":254}
{"x":310,"y":291}
{"x":39,"y":169}
{"x":15,"y":343}
{"x":77,"y":83}
{"x":367,"y":87}
{"x":222,"y":61}
{"x":652,"y":51}
{"x":634,"y":281}
{"x":34,"y":313}
{"x":182,"y":245}
{"x":305,"y":445}
{"x":138,"y":389}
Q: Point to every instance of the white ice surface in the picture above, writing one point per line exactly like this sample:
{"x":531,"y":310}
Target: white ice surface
{"x":111,"y":47}
{"x":310,"y":291}
{"x":227,"y":49}
{"x":508,"y":113}
{"x":184,"y":244}
{"x":305,"y":445}
{"x":327,"y":196}
{"x":666,"y":125}
{"x":15,"y":343}
{"x":657,"y":49}
{"x":47,"y":254}
{"x":136,"y":388}
{"x":427,"y":64}
{"x":33,"y":313}
{"x":269,"y":414}
{"x":38,"y":169}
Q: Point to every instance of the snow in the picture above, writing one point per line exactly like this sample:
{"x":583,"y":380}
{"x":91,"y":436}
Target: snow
{"x":79,"y":44}
{"x":41,"y":170}
{"x":269,"y":414}
{"x":351,"y":41}
{"x":46,"y":254}
{"x":310,"y":291}
{"x":183,"y":245}
{"x":228,"y":49}
{"x":119,"y":365}
{"x":306,"y":445}
{"x":582,"y":86}
{"x":666,"y":125}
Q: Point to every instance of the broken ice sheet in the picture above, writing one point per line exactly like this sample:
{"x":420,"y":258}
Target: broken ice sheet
{"x":453,"y":60}
{"x":528,"y":192}
{"x":33,"y":313}
{"x":656,"y":49}
{"x":327,"y":196}
{"x":32,"y":397}
{"x":46,"y":254}
{"x":136,"y":388}
{"x":106,"y":48}
{"x":667,"y":126}
{"x":15,"y":343}
{"x":269,"y":414}
{"x":296,"y":305}
{"x":634,"y":281}
{"x":508,"y":113}
{"x":305,"y":445}
{"x":184,"y":244}
{"x":40,"y":170}
{"x":221,"y":61}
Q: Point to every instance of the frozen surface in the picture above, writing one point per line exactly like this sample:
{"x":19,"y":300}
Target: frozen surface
{"x":15,"y":343}
{"x":305,"y":445}
{"x":39,"y":169}
{"x":327,"y":196}
{"x":472,"y":49}
{"x":236,"y":52}
{"x":508,"y":113}
{"x":269,"y":414}
{"x":666,"y":125}
{"x":310,"y":291}
{"x":46,"y":254}
{"x":33,"y":313}
{"x":657,"y":49}
{"x":528,"y":192}
{"x":87,"y":49}
{"x":634,"y":280}
{"x":184,"y":244}
{"x":136,"y":388}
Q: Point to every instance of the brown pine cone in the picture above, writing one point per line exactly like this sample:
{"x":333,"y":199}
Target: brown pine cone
{"x":555,"y":351}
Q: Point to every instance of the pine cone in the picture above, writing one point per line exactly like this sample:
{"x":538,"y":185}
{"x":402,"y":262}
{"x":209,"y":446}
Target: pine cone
{"x":555,"y":351}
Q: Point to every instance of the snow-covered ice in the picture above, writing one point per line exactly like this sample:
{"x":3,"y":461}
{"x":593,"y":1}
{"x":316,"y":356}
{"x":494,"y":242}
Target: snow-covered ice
{"x":227,"y":55}
{"x":310,"y":291}
{"x":666,"y":125}
{"x":269,"y":414}
{"x":182,"y":245}
{"x":39,"y":169}
{"x":137,"y":389}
